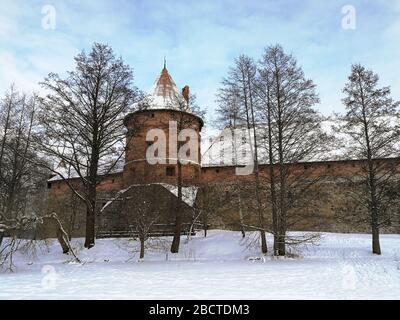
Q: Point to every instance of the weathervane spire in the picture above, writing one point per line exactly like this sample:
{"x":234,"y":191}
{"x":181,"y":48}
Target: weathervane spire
{"x":165,"y":62}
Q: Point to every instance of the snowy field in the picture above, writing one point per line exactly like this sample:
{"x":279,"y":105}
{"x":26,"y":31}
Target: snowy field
{"x":217,"y":267}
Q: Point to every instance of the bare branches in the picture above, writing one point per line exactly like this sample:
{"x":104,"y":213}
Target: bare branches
{"x":371,"y":124}
{"x":14,"y":227}
{"x":240,"y":90}
{"x":7,"y":254}
{"x":81,"y":122}
{"x":20,"y":179}
{"x":62,"y":236}
{"x":286,"y":100}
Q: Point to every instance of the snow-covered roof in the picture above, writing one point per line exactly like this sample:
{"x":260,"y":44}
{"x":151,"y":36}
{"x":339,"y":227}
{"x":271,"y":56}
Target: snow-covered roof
{"x":188,"y":193}
{"x":68,"y":172}
{"x":163,"y":95}
{"x":232,"y":147}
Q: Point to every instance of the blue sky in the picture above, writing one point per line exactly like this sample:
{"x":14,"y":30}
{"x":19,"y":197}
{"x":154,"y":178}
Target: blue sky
{"x":201,"y":39}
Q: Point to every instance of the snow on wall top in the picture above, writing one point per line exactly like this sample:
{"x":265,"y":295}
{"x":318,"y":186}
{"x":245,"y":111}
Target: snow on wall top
{"x":223,"y":150}
{"x":67,"y":172}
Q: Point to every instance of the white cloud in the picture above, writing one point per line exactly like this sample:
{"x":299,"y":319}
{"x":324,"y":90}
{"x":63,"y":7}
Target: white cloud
{"x":12,"y":71}
{"x":200,"y":39}
{"x":8,"y":27}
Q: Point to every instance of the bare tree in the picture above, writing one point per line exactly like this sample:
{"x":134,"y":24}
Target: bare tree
{"x":15,"y":226}
{"x":146,"y":214}
{"x":264,"y":92}
{"x":242,"y":77}
{"x":294,"y":136}
{"x":22,"y":179}
{"x":208,"y":202}
{"x":371,"y":123}
{"x":21,"y":182}
{"x":8,"y":104}
{"x":184,"y":119}
{"x":81,"y":122}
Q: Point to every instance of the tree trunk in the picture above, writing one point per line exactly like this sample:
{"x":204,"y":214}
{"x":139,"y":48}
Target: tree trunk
{"x":90,"y":220}
{"x":264,"y":248}
{"x":62,"y":241}
{"x":274,"y":211}
{"x":178,"y":218}
{"x":272,"y":176}
{"x":249,"y":109}
{"x":241,"y":215}
{"x":374,"y":211}
{"x":282,"y":214}
{"x":90,"y":227}
{"x":281,"y":245}
{"x":238,"y":186}
{"x":62,"y":236}
{"x":205,"y":223}
{"x":92,"y":184}
{"x":142,"y":241}
{"x":91,"y":202}
{"x":376,"y":247}
{"x":282,"y":194}
{"x":73,"y":217}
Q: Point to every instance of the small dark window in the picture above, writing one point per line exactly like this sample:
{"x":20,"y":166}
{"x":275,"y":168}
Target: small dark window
{"x":305,"y":167}
{"x":113,"y":180}
{"x":328,"y":166}
{"x":48,"y":185}
{"x":152,"y":115}
{"x":170,"y":171}
{"x":217,"y":170}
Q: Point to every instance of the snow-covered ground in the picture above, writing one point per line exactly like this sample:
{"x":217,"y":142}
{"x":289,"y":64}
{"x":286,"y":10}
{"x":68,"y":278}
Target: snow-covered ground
{"x":217,"y":267}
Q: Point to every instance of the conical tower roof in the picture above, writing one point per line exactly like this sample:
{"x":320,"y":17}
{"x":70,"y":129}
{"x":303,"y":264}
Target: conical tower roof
{"x":165,"y":94}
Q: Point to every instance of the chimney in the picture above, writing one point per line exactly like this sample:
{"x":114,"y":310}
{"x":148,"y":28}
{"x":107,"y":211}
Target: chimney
{"x":185,"y":93}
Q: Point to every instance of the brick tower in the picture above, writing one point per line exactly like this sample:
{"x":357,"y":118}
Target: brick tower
{"x":162,"y":109}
